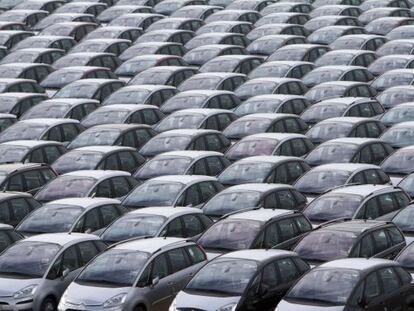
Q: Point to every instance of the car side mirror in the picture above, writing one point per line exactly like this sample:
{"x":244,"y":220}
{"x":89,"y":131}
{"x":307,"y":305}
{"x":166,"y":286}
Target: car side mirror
{"x":155,"y":281}
{"x":65,"y":273}
{"x":88,"y":231}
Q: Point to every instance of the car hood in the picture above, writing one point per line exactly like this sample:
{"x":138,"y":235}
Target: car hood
{"x":204,"y":301}
{"x":9,"y":286}
{"x":290,"y":306}
{"x":395,"y":180}
{"x":78,"y":294}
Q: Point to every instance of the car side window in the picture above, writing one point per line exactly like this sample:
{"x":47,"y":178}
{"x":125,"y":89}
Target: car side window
{"x":281,"y":175}
{"x":87,"y":251}
{"x":380,"y":239}
{"x":395,"y":235}
{"x":32,"y":179}
{"x":51,"y":153}
{"x":127,"y":160}
{"x":366,"y":247}
{"x":178,"y":259}
{"x":104,"y":189}
{"x":390,"y":280}
{"x":287,"y":269}
{"x":286,"y":200}
{"x":70,"y":260}
{"x":90,"y":221}
{"x":5,"y":214}
{"x":121,"y":186}
{"x":287,"y":229}
{"x":371,"y":177}
{"x":192,"y":225}
{"x":387,"y":204}
{"x":372,"y":287}
{"x":160,"y":267}
{"x":271,"y":236}
{"x":175,"y":228}
{"x":109,"y":213}
{"x":196,"y":254}
{"x":207,"y":190}
{"x":20,"y":208}
{"x":270,"y":279}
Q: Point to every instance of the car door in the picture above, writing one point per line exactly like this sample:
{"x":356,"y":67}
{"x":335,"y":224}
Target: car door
{"x":181,"y":268}
{"x":372,"y":296}
{"x":391,"y":285}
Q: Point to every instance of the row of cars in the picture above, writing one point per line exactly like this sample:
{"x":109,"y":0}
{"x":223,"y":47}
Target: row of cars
{"x":206,"y":155}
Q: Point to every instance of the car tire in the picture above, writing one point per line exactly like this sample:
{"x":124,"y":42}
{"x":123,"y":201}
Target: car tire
{"x":48,"y":305}
{"x":139,"y":309}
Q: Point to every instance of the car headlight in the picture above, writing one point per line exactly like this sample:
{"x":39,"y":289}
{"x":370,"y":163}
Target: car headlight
{"x":173,"y":306}
{"x":115,"y":301}
{"x":230,"y":307}
{"x":25,"y":292}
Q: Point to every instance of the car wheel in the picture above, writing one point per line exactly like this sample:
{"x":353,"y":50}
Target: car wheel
{"x":139,"y":309}
{"x":48,"y":305}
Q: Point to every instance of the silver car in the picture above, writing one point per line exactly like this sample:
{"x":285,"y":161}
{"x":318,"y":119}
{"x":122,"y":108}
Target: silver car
{"x":137,"y":275}
{"x":35,"y":272}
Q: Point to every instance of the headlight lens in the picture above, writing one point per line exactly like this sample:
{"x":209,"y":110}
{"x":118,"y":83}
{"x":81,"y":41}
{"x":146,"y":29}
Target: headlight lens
{"x":173,"y":306}
{"x":115,"y":301}
{"x":25,"y":292}
{"x":230,"y":307}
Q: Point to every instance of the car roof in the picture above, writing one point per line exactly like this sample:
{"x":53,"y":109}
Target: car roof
{"x":350,"y":167}
{"x":194,"y":154}
{"x":363,"y":190}
{"x":360,"y":264}
{"x":184,"y":179}
{"x":61,"y":238}
{"x":49,"y":121}
{"x":270,"y":116}
{"x":277,"y":136}
{"x":259,"y":254}
{"x":204,"y":111}
{"x":343,"y":100}
{"x":262,"y":214}
{"x":356,"y":226}
{"x":5,"y":195}
{"x":166,"y":211}
{"x":256,"y":187}
{"x":8,"y":168}
{"x":353,"y":120}
{"x":185,"y":132}
{"x":268,"y":159}
{"x":31,"y":143}
{"x":20,"y":95}
{"x":127,"y":107}
{"x":97,"y":174}
{"x":352,"y":140}
{"x":104,"y":149}
{"x":404,"y":124}
{"x":68,"y":101}
{"x":85,"y":203}
{"x":148,"y":245}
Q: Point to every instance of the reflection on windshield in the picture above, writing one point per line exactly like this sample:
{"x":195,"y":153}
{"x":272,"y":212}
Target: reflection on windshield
{"x":60,"y":79}
{"x":333,"y":206}
{"x":406,"y":258}
{"x":248,"y":148}
{"x":105,"y":116}
{"x":246,"y":173}
{"x":225,"y":276}
{"x":332,"y":153}
{"x":154,"y":193}
{"x":115,"y":267}
{"x":181,"y":121}
{"x":399,"y":136}
{"x":10,"y":154}
{"x":95,"y":137}
{"x":398,"y":115}
{"x":159,"y":145}
{"x":241,"y":128}
{"x":326,"y":285}
{"x":132,"y":226}
{"x":326,"y":131}
{"x":22,"y":131}
{"x":48,"y":110}
{"x":321,"y":181}
{"x":200,"y":83}
{"x":164,"y":166}
{"x":77,"y":160}
{"x":34,"y":258}
{"x":258,"y":106}
{"x":400,"y":162}
{"x":317,"y":113}
{"x":134,"y":66}
{"x":404,"y":219}
{"x":127,"y":96}
{"x":225,"y":203}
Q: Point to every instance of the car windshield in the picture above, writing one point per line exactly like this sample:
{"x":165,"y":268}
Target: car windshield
{"x":154,"y":193}
{"x":90,"y":47}
{"x":105,"y":116}
{"x":11,"y":154}
{"x":240,"y":173}
{"x":383,"y":65}
{"x":46,"y":110}
{"x":325,"y":245}
{"x":21,"y":57}
{"x":226,"y":65}
{"x":320,"y":181}
{"x":393,"y":97}
{"x":96,"y":137}
{"x":231,"y":235}
{"x":140,"y":49}
{"x":241,"y":128}
{"x":329,"y":130}
{"x":258,"y":106}
{"x":159,"y":145}
{"x":181,"y":121}
{"x":250,"y":89}
{"x":23,"y":131}
{"x":200,"y":55}
{"x":164,"y":166}
{"x":180,"y":102}
{"x":227,"y":202}
{"x":34,"y":258}
{"x":77,"y":160}
{"x":224,"y":276}
{"x":406,"y":258}
{"x":322,"y":75}
{"x":333,"y":206}
{"x":132,"y":226}
{"x":330,"y":285}
{"x":404,"y":219}
{"x":344,"y":43}
{"x":115,"y":267}
{"x":325,"y":91}
{"x":134,"y":66}
{"x":248,"y":148}
{"x":151,"y":76}
{"x":407,"y":184}
{"x":7,"y":103}
{"x":335,"y":59}
{"x":317,"y":113}
{"x":66,"y":187}
{"x":395,"y":48}
{"x":400,"y":162}
{"x":325,"y":36}
{"x":398,"y":115}
{"x":391,"y":79}
{"x":76,"y":90}
{"x":332,"y":153}
{"x":265,"y":46}
{"x":290,"y":54}
{"x":51,"y":218}
{"x":204,"y":83}
{"x":128,"y":97}
{"x":61,"y":78}
{"x":270,"y":71}
{"x":399,"y":136}
{"x":10,"y":72}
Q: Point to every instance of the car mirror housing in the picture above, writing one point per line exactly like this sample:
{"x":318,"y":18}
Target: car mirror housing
{"x":155,"y":281}
{"x":65,"y":273}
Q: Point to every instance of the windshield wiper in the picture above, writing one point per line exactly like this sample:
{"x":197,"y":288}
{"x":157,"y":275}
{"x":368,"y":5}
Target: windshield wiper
{"x":31,"y":275}
{"x":102,"y":281}
{"x":317,"y":300}
{"x":214,"y":291}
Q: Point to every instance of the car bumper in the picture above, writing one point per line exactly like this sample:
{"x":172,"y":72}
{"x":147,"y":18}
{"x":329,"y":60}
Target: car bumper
{"x":70,"y":307}
{"x":17,"y":306}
